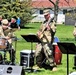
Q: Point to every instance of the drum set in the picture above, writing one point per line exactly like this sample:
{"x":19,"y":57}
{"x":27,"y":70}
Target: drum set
{"x":4,"y":48}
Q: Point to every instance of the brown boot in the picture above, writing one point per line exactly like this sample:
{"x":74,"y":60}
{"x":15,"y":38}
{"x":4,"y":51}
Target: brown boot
{"x":36,"y":67}
{"x":54,"y":69}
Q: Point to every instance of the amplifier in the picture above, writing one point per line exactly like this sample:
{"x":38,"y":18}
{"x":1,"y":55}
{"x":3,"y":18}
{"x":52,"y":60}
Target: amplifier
{"x":27,"y":58}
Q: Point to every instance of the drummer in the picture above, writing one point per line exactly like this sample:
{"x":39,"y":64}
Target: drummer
{"x":8,"y":36}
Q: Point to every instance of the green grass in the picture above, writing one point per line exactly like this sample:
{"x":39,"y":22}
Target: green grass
{"x":64,"y":33}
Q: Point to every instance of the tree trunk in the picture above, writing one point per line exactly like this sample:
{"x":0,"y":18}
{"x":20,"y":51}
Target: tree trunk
{"x":55,"y":9}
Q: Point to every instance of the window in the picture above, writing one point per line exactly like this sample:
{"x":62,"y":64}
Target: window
{"x":64,"y":11}
{"x":41,"y":11}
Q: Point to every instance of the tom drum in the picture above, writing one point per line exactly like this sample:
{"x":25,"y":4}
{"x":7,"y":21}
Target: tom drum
{"x":3,"y":43}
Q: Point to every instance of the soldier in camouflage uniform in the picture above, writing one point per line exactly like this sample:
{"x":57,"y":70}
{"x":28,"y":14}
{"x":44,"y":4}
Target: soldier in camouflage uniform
{"x":74,"y":31}
{"x":46,"y":34}
{"x":7,"y":34}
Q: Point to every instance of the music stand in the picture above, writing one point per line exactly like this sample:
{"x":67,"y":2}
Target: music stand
{"x":67,"y":48}
{"x":31,"y":38}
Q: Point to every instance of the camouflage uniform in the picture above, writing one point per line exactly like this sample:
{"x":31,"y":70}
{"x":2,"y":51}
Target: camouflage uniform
{"x":8,"y":33}
{"x":45,"y":49}
{"x":74,"y":32}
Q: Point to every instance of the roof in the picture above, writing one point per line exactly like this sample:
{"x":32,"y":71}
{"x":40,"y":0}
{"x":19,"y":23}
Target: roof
{"x":48,"y":4}
{"x":67,"y":3}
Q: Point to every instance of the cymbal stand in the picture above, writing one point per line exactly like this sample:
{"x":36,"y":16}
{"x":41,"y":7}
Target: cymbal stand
{"x":15,"y":39}
{"x":15,"y":45}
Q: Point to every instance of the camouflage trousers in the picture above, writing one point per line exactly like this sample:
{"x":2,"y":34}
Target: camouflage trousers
{"x":44,"y":51}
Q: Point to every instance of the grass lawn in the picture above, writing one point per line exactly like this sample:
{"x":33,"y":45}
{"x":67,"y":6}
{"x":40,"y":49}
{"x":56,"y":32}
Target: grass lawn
{"x":64,"y":33}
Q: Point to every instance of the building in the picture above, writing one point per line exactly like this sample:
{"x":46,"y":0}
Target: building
{"x":64,"y":7}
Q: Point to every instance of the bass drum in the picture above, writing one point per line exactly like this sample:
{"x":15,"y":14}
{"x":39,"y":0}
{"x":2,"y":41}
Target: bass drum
{"x":57,"y":55}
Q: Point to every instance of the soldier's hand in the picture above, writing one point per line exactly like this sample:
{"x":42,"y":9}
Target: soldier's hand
{"x":38,"y":33}
{"x":48,"y":27}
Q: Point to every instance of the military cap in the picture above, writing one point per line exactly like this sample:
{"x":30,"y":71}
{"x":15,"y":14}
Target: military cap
{"x":46,"y":11}
{"x":4,"y":22}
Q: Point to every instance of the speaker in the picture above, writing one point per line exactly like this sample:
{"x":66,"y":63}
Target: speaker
{"x":27,"y":58}
{"x":11,"y":70}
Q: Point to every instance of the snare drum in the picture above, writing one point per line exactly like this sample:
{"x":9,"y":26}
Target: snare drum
{"x":3,"y":43}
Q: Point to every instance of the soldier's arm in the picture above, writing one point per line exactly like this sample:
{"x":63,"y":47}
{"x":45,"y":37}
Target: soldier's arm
{"x":53,"y":26}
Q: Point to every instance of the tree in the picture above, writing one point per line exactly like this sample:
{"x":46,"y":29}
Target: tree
{"x":71,"y":12}
{"x":56,"y":8}
{"x":21,"y":9}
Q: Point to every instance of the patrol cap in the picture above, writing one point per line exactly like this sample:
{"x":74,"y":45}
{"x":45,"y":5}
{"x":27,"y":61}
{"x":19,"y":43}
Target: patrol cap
{"x":4,"y":22}
{"x":46,"y":11}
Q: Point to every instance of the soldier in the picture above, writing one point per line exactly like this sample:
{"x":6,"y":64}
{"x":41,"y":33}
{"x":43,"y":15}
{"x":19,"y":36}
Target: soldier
{"x":74,"y":31}
{"x":7,"y":34}
{"x":45,"y":49}
{"x":0,"y":19}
